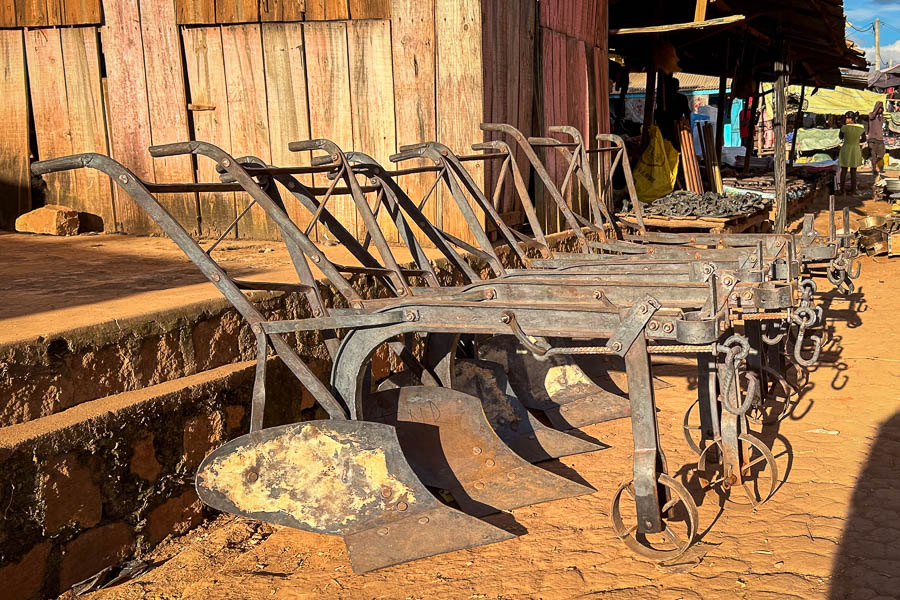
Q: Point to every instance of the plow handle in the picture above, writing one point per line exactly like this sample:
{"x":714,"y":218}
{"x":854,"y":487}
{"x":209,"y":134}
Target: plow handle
{"x":64,"y":163}
{"x":174,"y":149}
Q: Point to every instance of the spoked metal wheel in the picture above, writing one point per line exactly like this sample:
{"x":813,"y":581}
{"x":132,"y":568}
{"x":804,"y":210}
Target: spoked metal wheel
{"x":759,"y":472}
{"x":692,"y":428}
{"x":679,"y":517}
{"x":778,"y":401}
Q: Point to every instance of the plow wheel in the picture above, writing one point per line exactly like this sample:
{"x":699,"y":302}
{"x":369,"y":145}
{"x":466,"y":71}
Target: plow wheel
{"x":694,"y":435}
{"x":450,"y":445}
{"x":758,"y":476}
{"x":776,"y":403}
{"x":344,"y":478}
{"x":557,"y":386}
{"x":679,"y":518}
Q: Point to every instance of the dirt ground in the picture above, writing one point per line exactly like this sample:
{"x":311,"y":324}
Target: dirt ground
{"x":830,"y":530}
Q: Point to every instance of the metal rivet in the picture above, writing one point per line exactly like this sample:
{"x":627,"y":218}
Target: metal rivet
{"x":356,"y":304}
{"x":226,"y":163}
{"x":617,"y":346}
{"x":401,"y":506}
{"x":317,"y":312}
{"x":748,"y":295}
{"x":316,"y":258}
{"x":334,"y":157}
{"x":489,"y":463}
{"x":648,"y":524}
{"x":598,"y":295}
{"x":653,"y":325}
{"x":490,"y":294}
{"x":479,"y":485}
{"x":410,"y":316}
{"x":386,"y":492}
{"x":668,"y":327}
{"x":383,"y":531}
{"x":510,"y":475}
{"x":255,"y":328}
{"x":643,"y":309}
{"x":423,"y":521}
{"x":251,"y":475}
{"x":476,"y":450}
{"x":216,"y":277}
{"x":123,"y":178}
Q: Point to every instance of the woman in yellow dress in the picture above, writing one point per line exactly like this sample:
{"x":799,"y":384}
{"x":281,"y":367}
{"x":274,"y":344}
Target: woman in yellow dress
{"x":851,"y":156}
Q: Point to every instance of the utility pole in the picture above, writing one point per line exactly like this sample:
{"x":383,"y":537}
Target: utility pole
{"x":877,"y":44}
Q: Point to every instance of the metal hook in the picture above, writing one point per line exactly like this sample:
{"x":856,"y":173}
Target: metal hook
{"x":798,"y":345}
{"x":539,"y":349}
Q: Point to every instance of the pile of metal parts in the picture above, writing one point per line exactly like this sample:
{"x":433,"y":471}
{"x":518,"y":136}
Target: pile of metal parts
{"x":691,"y":204}
{"x":796,"y":187}
{"x":880,"y":234}
{"x":406,"y":466}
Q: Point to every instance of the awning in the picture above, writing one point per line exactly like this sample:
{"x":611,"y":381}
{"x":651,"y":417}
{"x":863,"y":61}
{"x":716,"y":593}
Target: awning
{"x":838,"y":101}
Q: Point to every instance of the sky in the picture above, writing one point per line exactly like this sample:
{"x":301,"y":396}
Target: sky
{"x":862,"y":13}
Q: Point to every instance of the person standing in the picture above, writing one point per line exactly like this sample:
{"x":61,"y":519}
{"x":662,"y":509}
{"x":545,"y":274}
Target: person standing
{"x":851,"y":154}
{"x":875,"y":138}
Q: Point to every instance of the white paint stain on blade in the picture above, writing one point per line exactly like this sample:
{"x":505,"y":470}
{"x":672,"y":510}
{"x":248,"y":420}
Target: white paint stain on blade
{"x":320,"y":479}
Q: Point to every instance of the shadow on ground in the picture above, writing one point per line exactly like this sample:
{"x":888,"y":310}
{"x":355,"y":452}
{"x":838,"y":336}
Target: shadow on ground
{"x":868,"y":560}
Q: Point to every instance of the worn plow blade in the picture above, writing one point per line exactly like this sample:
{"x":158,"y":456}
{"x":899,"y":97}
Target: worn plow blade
{"x":518,"y":428}
{"x":450,"y":445}
{"x":345,"y":478}
{"x":557,"y":386}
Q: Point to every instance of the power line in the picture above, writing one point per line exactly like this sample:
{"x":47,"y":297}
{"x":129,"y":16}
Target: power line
{"x":869,"y":27}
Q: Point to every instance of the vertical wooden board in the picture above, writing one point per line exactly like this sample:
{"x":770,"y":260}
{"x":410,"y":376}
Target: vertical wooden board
{"x":47,"y":83}
{"x":460,"y":109}
{"x":195,"y":12}
{"x":372,"y":102}
{"x":577,"y":87}
{"x":129,"y":115}
{"x":7,"y":13}
{"x":237,"y":11}
{"x":31,"y":13}
{"x":370,"y":9}
{"x":327,"y":10}
{"x":206,"y":81}
{"x":56,"y":12}
{"x":527,"y":93}
{"x":412,"y":38}
{"x":287,"y":103}
{"x":489,"y":70}
{"x":513,"y":87}
{"x":15,"y":176}
{"x":281,"y":10}
{"x":248,"y":116}
{"x":167,"y":104}
{"x":549,"y":116}
{"x":87,"y":119}
{"x":315,"y":10}
{"x":82,"y":12}
{"x":328,"y":89}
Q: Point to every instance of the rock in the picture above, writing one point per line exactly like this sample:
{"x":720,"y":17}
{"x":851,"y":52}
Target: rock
{"x":52,"y":219}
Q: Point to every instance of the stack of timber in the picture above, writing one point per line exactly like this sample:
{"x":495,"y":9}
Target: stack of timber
{"x":711,"y":158}
{"x":253,"y":75}
{"x":690,"y":167}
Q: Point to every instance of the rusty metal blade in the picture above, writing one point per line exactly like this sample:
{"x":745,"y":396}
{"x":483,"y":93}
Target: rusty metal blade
{"x":558,"y":386}
{"x":345,"y":478}
{"x":450,"y":444}
{"x":518,"y":428}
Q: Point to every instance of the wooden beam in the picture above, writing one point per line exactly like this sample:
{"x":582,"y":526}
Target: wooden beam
{"x":780,"y":176}
{"x":649,"y":102}
{"x":720,"y":121}
{"x":700,"y":11}
{"x":678,"y":26}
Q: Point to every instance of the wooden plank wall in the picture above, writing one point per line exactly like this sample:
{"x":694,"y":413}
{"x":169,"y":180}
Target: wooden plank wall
{"x":574,"y":67}
{"x":15,"y":178}
{"x":243,"y":74}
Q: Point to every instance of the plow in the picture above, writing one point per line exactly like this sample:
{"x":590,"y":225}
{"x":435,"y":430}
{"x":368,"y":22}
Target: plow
{"x":503,"y":366}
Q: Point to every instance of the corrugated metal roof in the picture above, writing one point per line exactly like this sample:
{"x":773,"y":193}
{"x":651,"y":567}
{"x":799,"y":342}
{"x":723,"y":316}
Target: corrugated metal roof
{"x":689,"y":82}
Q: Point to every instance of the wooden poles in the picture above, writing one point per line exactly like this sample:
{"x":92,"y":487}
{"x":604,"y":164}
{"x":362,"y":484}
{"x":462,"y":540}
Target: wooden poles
{"x":649,"y":103}
{"x":780,"y":175}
